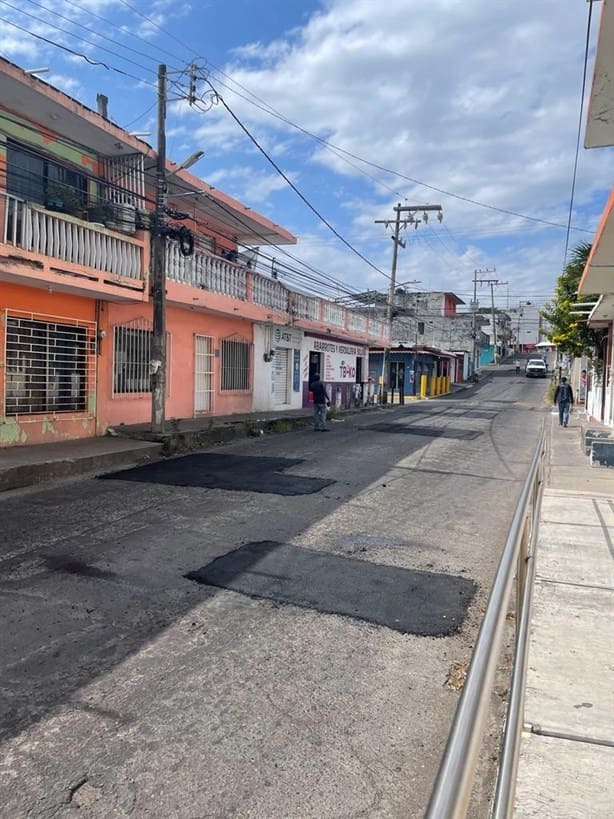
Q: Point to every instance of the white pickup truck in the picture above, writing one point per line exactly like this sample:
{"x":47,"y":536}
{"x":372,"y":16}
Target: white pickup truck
{"x":536,"y":368}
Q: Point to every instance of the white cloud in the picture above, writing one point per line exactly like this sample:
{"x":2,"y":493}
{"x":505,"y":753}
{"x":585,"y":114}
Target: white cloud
{"x":476,"y":98}
{"x":472,"y":97}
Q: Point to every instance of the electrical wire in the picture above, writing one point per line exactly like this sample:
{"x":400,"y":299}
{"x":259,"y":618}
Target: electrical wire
{"x":575,"y":165}
{"x":79,"y":39}
{"x":74,"y":53}
{"x":340,"y":152}
{"x":296,"y":190}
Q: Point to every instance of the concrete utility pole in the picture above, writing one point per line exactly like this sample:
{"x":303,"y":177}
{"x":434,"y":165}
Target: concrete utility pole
{"x":492,"y":283}
{"x":158,"y":270}
{"x":409,"y":219}
{"x":474,"y":308}
{"x":160,"y":232}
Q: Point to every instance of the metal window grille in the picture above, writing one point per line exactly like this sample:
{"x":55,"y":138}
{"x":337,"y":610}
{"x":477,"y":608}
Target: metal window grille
{"x":50,"y":364}
{"x":235,"y":364}
{"x":203,"y":373}
{"x":126,"y":177}
{"x":131,"y":357}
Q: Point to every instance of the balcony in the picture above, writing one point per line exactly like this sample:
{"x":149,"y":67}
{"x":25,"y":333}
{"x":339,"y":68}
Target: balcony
{"x":214,"y":274}
{"x":92,"y":257}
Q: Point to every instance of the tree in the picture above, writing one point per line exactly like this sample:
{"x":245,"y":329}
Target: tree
{"x":570,"y":332}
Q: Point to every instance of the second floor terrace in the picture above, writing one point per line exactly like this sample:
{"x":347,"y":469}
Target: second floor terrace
{"x":231,"y":287}
{"x":41,"y":247}
{"x":75,"y":216}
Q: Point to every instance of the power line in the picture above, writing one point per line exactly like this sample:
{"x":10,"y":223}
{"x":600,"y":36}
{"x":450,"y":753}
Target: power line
{"x":296,"y":190}
{"x":73,"y":52}
{"x":268,"y":109}
{"x":575,"y":165}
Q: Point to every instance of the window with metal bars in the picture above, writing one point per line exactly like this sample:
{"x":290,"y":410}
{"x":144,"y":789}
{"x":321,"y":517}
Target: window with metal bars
{"x":49,"y":366}
{"x":131,"y":357}
{"x":235,"y":364}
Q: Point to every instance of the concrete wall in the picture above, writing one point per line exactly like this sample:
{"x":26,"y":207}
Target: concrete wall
{"x":45,"y":306}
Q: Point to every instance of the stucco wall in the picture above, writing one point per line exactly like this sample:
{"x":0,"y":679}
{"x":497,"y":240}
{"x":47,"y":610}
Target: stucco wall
{"x":182,"y":326}
{"x":44,"y":427}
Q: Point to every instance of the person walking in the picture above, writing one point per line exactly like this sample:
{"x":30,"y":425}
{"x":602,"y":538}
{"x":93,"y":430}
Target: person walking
{"x":321,"y":400}
{"x":563,"y":396}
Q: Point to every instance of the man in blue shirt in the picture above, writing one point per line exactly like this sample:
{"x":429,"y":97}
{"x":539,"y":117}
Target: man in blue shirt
{"x":563,"y":396}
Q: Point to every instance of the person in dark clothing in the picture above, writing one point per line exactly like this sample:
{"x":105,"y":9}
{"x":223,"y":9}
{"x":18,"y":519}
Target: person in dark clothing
{"x":563,"y":397}
{"x":321,"y":400}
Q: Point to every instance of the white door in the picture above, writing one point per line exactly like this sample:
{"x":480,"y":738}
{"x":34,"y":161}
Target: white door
{"x":282,"y":376}
{"x":203,"y":373}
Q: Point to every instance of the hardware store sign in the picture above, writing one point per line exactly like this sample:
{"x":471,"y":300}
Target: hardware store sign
{"x":339,"y":360}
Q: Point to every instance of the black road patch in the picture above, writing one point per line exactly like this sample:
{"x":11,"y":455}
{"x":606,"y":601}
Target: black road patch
{"x":409,"y":601}
{"x":238,"y":473}
{"x":427,"y":432}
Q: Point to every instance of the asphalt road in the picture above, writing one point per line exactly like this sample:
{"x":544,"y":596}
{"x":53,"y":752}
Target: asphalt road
{"x":264,"y":630}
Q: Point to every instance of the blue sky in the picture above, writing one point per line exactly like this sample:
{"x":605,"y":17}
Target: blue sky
{"x":474,"y":98}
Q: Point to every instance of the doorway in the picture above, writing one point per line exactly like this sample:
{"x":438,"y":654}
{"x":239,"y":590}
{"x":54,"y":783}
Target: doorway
{"x":315,"y":366}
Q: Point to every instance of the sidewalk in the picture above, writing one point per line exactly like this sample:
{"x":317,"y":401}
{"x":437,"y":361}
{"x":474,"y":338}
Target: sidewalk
{"x":566,"y":765}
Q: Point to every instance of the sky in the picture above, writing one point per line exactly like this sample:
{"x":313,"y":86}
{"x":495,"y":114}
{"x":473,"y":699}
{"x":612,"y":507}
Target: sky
{"x":361,"y":105}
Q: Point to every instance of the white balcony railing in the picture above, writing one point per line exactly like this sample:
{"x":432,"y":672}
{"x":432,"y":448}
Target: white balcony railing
{"x":55,"y":235}
{"x":334,"y":314}
{"x":306,"y":307}
{"x":218,"y":275}
{"x":269,"y":293}
{"x":206,"y":271}
{"x":357,"y":322}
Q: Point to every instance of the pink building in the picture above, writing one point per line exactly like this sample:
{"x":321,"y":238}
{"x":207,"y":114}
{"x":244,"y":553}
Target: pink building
{"x":76,"y":196}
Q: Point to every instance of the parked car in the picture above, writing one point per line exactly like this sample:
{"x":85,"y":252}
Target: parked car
{"x":536,"y":368}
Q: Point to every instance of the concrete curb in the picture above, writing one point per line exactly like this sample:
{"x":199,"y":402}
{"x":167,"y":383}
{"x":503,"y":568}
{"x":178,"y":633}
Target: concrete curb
{"x":29,"y":474}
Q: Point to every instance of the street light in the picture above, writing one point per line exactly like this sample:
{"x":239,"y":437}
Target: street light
{"x":187,"y":163}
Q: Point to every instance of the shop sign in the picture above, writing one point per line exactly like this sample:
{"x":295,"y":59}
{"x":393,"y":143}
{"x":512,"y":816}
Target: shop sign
{"x":286,"y":338}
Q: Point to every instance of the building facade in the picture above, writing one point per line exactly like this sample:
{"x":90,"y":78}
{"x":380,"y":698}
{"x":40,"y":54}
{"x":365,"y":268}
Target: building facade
{"x":76,"y":316}
{"x":597,"y":282}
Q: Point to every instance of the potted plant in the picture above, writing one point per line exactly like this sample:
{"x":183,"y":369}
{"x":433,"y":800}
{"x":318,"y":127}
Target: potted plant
{"x":64,"y":198}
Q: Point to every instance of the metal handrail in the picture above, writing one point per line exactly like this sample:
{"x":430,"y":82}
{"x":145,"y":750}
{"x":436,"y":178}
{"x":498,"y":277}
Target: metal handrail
{"x":452,"y":789}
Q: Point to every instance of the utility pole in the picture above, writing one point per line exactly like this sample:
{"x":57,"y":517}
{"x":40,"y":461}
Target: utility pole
{"x":409,"y":219}
{"x":160,"y":233}
{"x":158,"y":270}
{"x":474,"y":333}
{"x":492,"y":283}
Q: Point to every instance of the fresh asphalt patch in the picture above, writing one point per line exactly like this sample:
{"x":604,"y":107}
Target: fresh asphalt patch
{"x":427,"y":432}
{"x":412,"y":602}
{"x":238,"y":473}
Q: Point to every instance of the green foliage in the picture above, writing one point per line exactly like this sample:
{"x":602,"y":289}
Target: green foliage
{"x":570,"y":332}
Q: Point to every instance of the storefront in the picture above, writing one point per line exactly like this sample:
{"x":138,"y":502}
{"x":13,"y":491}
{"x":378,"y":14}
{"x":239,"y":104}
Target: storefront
{"x":342,"y":366}
{"x":277,"y":368}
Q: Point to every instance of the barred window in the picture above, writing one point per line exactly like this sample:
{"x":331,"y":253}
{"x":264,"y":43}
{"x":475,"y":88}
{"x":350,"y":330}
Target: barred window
{"x":131,"y":357}
{"x":235,"y":364}
{"x":50,"y":364}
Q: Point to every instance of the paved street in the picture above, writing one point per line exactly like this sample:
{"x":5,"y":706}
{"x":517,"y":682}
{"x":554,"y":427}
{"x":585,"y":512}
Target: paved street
{"x":148,"y":673}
